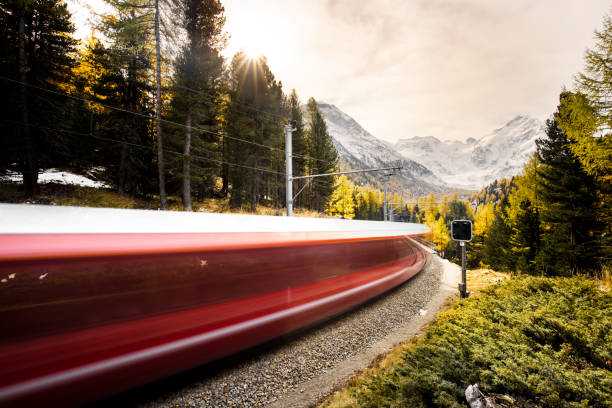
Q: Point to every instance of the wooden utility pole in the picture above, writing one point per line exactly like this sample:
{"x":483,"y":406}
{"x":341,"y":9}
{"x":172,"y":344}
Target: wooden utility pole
{"x":30,"y":170}
{"x":160,"y":144}
{"x":187,"y":164}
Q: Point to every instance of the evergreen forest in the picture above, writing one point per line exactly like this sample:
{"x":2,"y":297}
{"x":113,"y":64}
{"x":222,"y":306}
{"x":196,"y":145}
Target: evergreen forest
{"x":148,"y":105}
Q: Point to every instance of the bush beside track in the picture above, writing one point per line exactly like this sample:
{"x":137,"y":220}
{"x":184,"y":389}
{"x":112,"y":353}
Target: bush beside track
{"x":527,"y":342}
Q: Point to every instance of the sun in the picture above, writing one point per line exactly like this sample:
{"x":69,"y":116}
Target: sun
{"x":255,"y":37}
{"x":254,"y":43}
{"x":253,"y":49}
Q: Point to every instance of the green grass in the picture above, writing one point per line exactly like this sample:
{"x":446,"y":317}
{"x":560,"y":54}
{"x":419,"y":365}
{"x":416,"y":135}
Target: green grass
{"x":539,"y":341}
{"x":60,"y":194}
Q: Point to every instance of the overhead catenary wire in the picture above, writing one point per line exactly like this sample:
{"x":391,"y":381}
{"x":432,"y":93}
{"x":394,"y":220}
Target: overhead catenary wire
{"x":211,"y":99}
{"x":166,"y":121}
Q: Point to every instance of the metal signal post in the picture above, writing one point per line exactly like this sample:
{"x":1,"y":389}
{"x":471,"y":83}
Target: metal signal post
{"x":461,"y":230}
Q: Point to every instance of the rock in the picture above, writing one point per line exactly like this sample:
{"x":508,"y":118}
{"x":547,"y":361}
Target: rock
{"x":474,"y":397}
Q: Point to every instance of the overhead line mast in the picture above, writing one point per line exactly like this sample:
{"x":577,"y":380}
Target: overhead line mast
{"x":289,"y":129}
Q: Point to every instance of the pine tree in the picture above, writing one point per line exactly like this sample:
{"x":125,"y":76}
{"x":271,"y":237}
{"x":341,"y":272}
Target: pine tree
{"x":86,"y":151}
{"x":254,"y":114}
{"x":415,"y":217}
{"x":323,"y":154}
{"x":456,"y":210}
{"x":525,"y":238}
{"x":37,"y":51}
{"x":585,"y":116}
{"x":571,"y":231}
{"x":496,"y":252}
{"x":299,"y":145}
{"x":197,"y":87}
{"x":157,"y":18}
{"x":483,"y":220}
{"x":439,"y":230}
{"x":523,"y":216}
{"x":361,"y":205}
{"x":125,"y":84}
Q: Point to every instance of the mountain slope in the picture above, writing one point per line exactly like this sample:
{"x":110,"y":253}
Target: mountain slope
{"x":475,"y":163}
{"x":358,"y":149}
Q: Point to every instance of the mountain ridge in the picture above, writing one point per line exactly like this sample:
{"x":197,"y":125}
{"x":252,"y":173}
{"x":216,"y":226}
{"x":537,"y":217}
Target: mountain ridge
{"x":430,"y":164}
{"x":359,"y":149}
{"x":474,"y":163}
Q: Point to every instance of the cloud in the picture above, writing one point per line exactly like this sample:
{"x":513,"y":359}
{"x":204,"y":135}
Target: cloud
{"x":448,"y":68}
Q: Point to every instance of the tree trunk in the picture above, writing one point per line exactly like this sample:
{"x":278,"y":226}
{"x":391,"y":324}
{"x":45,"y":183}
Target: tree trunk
{"x":254,"y":185}
{"x":224,"y":169}
{"x":122,"y":168}
{"x":160,"y":145}
{"x":186,"y":164}
{"x":30,"y":169}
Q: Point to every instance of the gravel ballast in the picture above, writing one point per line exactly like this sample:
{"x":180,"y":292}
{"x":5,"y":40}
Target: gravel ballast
{"x":303,"y":370}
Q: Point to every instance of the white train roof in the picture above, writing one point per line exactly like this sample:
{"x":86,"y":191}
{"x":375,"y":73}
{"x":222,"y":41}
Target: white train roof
{"x":41,"y":219}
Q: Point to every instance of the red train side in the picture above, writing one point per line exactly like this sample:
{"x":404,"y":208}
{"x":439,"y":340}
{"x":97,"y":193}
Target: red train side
{"x":83,"y":316}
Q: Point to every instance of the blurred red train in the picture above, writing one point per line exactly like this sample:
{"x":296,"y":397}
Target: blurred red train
{"x":95,"y":301}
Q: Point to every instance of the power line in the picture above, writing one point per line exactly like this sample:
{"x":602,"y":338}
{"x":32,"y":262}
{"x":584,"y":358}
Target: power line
{"x":139,"y":114}
{"x":151,"y":118}
{"x":210,"y":96}
{"x":146,"y":147}
{"x":197,"y":157}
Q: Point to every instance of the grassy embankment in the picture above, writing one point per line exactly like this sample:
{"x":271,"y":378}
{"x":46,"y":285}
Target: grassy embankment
{"x":60,"y":194}
{"x":527,"y":342}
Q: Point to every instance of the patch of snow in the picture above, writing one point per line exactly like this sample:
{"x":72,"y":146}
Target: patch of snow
{"x":56,"y":176}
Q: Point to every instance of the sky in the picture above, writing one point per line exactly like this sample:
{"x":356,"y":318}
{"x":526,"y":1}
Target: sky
{"x":452,"y":69}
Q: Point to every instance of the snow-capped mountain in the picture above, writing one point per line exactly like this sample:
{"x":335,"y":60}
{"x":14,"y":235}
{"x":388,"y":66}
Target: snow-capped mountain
{"x":358,"y":149}
{"x":430,"y":164}
{"x":475,"y":163}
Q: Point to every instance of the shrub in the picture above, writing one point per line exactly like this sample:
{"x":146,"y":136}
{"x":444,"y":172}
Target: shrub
{"x":545,"y":340}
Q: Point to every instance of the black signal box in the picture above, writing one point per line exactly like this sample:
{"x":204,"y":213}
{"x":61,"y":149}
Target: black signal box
{"x":461,"y":230}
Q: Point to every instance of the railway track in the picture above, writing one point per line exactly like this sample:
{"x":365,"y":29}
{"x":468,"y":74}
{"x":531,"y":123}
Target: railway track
{"x":96,"y":301}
